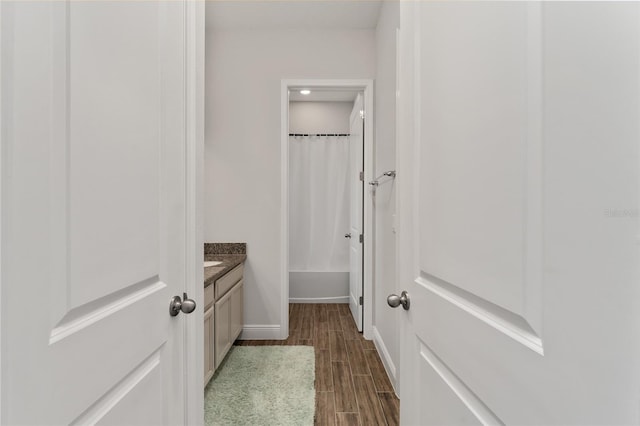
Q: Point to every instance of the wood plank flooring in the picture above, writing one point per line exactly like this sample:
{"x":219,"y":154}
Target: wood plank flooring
{"x":352,"y":387}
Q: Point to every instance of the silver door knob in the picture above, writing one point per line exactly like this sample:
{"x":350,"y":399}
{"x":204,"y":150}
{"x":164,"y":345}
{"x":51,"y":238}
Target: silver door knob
{"x":347,"y":235}
{"x":188,"y":305}
{"x":394,"y":300}
{"x":178,"y":305}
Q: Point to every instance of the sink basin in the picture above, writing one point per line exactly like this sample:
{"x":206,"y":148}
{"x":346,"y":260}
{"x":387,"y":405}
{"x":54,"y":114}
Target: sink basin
{"x":212,"y":263}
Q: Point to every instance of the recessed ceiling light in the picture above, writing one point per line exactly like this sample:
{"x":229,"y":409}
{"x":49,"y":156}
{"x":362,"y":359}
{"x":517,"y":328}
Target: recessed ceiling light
{"x":305,"y":91}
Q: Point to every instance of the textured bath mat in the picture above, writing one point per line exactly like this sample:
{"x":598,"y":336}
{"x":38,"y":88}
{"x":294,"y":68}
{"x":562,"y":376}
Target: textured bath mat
{"x":263,"y":385}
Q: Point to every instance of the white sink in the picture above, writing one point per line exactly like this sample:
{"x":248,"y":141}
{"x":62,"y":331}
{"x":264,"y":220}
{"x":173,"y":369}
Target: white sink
{"x":211,"y":263}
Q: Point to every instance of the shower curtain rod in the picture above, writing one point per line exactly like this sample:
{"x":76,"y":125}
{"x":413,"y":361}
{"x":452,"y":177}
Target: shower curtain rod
{"x":319,"y":134}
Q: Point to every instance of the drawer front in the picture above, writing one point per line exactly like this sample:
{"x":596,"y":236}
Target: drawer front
{"x":225,"y":283}
{"x":208,"y":296}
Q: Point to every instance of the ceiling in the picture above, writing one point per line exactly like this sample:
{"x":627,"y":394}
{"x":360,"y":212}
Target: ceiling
{"x":292,"y":14}
{"x":319,"y":95}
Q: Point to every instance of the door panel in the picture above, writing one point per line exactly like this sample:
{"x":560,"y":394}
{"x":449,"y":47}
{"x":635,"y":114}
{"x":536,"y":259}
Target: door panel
{"x":95,"y":130}
{"x":519,"y":132}
{"x":222,"y":335}
{"x":237,"y":310}
{"x":468,"y":170}
{"x":479,"y":209}
{"x":447,"y":400}
{"x":209,"y":355}
{"x":113,"y":115}
{"x":356,"y":161}
{"x":133,"y":401}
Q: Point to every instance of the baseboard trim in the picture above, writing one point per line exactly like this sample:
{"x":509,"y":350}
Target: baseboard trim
{"x":260,"y":332}
{"x":389,"y":366}
{"x":343,"y":299}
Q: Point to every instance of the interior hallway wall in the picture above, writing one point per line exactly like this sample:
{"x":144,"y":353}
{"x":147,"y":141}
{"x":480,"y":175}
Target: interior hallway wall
{"x":244,"y":69}
{"x":385,"y":319}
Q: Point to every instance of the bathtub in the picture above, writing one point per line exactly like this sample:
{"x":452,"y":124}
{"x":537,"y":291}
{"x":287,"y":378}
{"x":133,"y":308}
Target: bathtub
{"x":318,"y":287}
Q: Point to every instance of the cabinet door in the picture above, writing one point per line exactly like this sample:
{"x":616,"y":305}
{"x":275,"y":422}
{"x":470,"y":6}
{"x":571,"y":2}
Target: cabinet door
{"x":209,"y":365}
{"x":222,"y":328}
{"x":237,"y":310}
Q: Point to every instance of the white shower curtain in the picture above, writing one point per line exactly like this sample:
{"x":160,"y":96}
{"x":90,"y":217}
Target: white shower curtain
{"x":319,"y":203}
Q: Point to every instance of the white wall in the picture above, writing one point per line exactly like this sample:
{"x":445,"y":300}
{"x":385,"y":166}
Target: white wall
{"x":319,"y":117}
{"x":242,"y":142}
{"x":385,"y":319}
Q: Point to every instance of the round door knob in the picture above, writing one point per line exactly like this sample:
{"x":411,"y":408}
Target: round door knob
{"x":347,"y":235}
{"x":177,"y":305}
{"x":188,"y":305}
{"x":394,"y":300}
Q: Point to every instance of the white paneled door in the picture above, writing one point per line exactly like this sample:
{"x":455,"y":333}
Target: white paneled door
{"x":94,"y":213}
{"x":519,"y":190}
{"x":356,"y":171}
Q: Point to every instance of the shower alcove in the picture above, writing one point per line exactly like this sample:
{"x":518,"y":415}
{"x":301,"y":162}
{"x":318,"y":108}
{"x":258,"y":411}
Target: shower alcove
{"x":319,"y":193}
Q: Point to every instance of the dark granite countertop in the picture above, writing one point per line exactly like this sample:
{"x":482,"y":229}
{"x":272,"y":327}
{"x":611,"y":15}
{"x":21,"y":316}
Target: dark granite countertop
{"x":229,"y":261}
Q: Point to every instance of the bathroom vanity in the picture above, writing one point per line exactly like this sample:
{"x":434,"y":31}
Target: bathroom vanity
{"x":223,"y":302}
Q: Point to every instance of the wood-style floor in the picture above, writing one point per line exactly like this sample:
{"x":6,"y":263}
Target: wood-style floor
{"x":352,"y":387}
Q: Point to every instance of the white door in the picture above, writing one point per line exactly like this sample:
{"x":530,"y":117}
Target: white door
{"x":356,"y":169}
{"x":93,"y":212}
{"x":519,"y":212}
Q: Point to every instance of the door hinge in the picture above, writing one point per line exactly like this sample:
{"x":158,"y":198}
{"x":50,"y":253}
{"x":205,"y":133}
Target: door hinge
{"x":361,"y":238}
{"x":361,"y":176}
{"x":360,"y":301}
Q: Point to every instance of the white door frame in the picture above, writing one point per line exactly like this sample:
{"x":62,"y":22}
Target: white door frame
{"x":366,"y":86}
{"x":2,"y":207}
{"x":194,"y":177}
{"x":194,"y":41}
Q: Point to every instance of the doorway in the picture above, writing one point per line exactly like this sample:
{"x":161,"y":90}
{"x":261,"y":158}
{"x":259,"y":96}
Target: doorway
{"x":327,"y":226}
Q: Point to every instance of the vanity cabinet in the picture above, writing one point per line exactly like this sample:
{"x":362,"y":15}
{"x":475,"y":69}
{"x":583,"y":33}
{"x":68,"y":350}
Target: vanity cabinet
{"x":228,"y":320}
{"x":228,"y":313}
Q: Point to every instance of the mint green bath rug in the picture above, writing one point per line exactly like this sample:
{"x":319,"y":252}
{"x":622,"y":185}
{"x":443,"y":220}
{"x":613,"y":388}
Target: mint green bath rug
{"x":262,"y":385}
